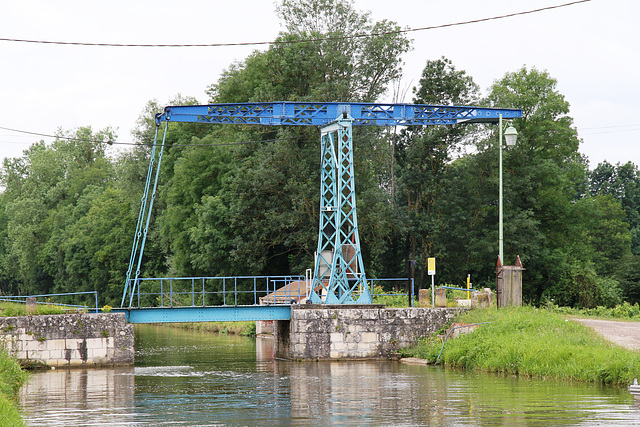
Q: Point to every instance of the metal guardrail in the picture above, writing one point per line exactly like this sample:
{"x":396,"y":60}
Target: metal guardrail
{"x":459,"y":289}
{"x":169,"y":292}
{"x":23,"y":299}
{"x":211,"y":291}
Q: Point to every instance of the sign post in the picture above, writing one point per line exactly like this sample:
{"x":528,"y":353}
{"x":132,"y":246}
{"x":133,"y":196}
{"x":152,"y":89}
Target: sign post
{"x":431,"y":269}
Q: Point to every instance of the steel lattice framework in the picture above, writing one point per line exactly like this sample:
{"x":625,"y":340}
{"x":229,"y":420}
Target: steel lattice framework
{"x":321,"y":113}
{"x":339,"y":275}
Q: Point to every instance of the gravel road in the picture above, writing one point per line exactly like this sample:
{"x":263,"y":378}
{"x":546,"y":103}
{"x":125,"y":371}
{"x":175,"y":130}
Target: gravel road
{"x":625,"y":334}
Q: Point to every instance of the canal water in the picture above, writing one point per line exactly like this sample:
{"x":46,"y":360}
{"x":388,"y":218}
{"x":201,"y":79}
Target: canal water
{"x":186,"y":378}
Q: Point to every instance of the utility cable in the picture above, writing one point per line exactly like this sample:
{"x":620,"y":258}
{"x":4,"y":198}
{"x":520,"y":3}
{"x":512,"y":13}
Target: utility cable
{"x":284,"y":42}
{"x":110,"y":142}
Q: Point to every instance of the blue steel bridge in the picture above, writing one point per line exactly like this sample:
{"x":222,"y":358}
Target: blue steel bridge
{"x":213,"y":299}
{"x":338,"y":275}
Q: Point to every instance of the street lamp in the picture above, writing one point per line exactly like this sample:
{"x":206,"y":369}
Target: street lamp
{"x":510,"y":136}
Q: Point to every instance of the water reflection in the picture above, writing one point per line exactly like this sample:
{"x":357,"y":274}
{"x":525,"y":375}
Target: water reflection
{"x":79,"y":396}
{"x":383,"y":393}
{"x":199,"y":379}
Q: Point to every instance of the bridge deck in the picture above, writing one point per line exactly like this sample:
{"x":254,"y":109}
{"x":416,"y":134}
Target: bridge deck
{"x":206,"y":314}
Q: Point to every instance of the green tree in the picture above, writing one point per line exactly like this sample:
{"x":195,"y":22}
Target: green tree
{"x":623,"y":183}
{"x":267,"y":198}
{"x":544,"y":179}
{"x":318,"y":58}
{"x":422,"y":156}
{"x":42,"y":191}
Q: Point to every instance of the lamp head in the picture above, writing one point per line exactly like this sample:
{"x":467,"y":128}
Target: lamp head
{"x":510,"y":135}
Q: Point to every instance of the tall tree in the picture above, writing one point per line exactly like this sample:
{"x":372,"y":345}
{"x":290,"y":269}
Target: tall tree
{"x":422,"y":156}
{"x":623,"y":183}
{"x":545,"y":219}
{"x":271,"y":194}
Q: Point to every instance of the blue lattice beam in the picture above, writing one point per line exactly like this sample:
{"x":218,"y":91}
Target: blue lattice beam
{"x":322,"y":113}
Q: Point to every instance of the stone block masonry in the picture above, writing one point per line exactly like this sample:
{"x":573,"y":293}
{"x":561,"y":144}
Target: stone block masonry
{"x":344,"y":332}
{"x":69,"y":339}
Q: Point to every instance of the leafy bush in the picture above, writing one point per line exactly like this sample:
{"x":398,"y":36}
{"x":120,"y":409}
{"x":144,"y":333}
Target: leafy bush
{"x":620,"y":311}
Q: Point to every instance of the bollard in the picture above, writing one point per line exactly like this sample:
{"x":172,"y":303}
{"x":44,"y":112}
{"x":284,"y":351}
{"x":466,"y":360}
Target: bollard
{"x":31,"y":305}
{"x":482,"y":299}
{"x":441,"y":297}
{"x":424,"y":298}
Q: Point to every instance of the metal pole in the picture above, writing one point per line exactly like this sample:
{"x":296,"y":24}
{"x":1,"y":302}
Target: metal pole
{"x":468,"y":285}
{"x":500,"y":217}
{"x":433,"y":292}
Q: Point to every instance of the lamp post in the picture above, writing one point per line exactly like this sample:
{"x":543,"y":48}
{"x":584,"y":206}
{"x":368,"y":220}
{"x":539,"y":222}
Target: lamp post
{"x":510,"y":136}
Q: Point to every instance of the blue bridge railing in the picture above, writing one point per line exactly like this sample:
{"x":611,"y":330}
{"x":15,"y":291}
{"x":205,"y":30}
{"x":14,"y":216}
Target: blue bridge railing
{"x":168,"y":292}
{"x":215,"y":291}
{"x":59,"y":300}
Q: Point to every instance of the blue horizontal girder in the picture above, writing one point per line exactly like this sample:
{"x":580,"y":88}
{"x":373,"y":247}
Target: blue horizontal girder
{"x":321,"y":113}
{"x":207,"y":314}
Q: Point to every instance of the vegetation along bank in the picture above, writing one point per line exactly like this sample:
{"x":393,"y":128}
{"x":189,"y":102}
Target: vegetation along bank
{"x":532,"y":342}
{"x":11,"y":379}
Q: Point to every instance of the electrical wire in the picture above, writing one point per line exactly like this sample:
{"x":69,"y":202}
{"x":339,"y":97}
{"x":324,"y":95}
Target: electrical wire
{"x":110,"y":142}
{"x":610,"y":131}
{"x":283,"y":42}
{"x":613,"y":129}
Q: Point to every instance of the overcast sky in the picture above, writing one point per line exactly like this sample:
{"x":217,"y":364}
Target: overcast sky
{"x":590,"y":48}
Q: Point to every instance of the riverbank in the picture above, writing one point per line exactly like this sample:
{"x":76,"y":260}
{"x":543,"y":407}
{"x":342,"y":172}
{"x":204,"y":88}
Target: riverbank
{"x":232,"y":328}
{"x":532,"y":342}
{"x":11,"y":379}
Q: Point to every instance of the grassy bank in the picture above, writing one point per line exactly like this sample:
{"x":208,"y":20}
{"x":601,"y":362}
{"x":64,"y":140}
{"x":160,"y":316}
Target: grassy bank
{"x":534,"y":342}
{"x":233,"y":328}
{"x":11,"y":379}
{"x":9,"y":309}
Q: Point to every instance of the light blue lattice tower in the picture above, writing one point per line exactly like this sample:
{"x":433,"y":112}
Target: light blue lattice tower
{"x":339,"y":276}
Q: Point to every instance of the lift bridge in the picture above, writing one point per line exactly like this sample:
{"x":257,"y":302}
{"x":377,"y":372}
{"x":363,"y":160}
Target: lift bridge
{"x":339,"y":274}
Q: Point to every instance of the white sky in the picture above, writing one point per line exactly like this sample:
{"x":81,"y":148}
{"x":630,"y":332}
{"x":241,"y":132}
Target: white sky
{"x":590,"y":48}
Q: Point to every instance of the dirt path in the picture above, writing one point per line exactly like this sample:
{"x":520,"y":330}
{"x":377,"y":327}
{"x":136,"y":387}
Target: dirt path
{"x":625,"y":334}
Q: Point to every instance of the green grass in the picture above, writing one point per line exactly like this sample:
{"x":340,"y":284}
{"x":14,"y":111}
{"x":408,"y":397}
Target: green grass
{"x":9,"y":309}
{"x":532,"y":342}
{"x":11,"y":379}
{"x":620,"y":311}
{"x":390,"y":301}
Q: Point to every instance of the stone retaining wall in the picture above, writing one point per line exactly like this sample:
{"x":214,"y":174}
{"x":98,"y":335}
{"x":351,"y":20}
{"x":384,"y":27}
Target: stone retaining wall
{"x":69,"y":339}
{"x":346,"y":333}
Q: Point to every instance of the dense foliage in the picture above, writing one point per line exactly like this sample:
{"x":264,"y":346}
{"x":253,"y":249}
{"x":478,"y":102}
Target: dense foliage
{"x":68,"y":210}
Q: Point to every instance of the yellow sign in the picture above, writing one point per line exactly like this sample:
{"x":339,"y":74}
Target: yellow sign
{"x":431,"y":266}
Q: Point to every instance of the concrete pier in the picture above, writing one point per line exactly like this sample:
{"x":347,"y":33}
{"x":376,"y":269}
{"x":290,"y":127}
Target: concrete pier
{"x":355,"y":332}
{"x":69,"y":339}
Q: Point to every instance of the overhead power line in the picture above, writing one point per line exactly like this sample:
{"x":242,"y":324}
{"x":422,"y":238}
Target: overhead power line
{"x":110,"y":142}
{"x":277,"y":42}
